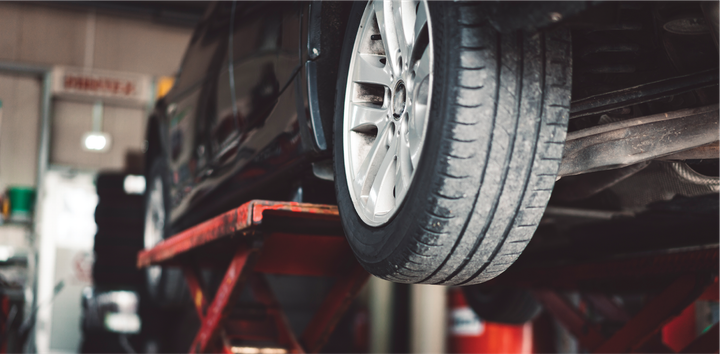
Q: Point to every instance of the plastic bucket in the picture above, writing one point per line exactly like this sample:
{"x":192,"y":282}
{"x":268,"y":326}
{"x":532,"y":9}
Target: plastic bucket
{"x":21,"y":203}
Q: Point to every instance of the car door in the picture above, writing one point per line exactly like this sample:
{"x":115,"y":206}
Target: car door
{"x":221,"y":116}
{"x":263,"y":141}
{"x":193,"y":103}
{"x":264,"y":57}
{"x":222,"y":123}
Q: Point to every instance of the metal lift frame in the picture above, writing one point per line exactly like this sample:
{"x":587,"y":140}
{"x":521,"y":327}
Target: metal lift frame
{"x":263,"y":237}
{"x":693,"y":275}
{"x":306,"y":239}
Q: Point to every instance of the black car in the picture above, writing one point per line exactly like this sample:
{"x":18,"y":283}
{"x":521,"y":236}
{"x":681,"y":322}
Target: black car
{"x":442,"y":124}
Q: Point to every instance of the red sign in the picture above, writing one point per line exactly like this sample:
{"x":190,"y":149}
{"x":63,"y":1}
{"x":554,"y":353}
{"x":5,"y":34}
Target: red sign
{"x":99,"y":85}
{"x":90,"y":84}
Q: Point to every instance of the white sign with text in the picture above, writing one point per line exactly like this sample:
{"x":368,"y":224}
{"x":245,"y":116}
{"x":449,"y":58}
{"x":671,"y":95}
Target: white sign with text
{"x":90,"y":84}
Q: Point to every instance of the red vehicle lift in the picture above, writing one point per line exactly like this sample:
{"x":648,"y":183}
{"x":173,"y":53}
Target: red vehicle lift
{"x":263,"y":237}
{"x":306,"y":239}
{"x":682,"y":276}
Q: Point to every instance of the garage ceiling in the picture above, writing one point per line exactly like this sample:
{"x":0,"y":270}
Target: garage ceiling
{"x":180,"y":13}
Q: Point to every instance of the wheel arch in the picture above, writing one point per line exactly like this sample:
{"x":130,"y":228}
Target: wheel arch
{"x":326,"y":32}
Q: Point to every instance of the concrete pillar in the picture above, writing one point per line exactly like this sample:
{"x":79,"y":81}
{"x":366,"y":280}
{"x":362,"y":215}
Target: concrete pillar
{"x":428,"y":319}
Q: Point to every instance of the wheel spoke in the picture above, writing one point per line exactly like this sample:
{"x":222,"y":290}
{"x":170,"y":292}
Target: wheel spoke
{"x":418,"y":118}
{"x":368,"y":169}
{"x":390,"y":35}
{"x":404,"y":168}
{"x":385,"y":33}
{"x":380,"y":197}
{"x":370,"y":70}
{"x":415,"y":135}
{"x":420,"y":22}
{"x":365,"y":117}
{"x":422,"y":67}
{"x":403,"y":19}
{"x":421,"y":37}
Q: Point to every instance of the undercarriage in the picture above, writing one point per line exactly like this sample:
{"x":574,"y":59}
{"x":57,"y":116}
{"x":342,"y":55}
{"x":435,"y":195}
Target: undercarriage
{"x":644,"y":114}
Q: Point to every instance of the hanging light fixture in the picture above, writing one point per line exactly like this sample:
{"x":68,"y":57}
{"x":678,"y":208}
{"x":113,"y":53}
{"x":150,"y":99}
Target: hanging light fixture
{"x":96,"y":140}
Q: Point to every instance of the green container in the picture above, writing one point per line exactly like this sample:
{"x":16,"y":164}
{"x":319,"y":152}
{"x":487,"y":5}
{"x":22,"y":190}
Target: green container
{"x":21,"y":203}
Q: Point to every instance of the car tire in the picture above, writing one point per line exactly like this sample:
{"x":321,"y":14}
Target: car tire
{"x":493,"y":142}
{"x":502,"y":305}
{"x":166,"y":285}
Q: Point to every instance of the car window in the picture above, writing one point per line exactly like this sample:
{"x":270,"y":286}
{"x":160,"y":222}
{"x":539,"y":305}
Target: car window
{"x":207,"y":49}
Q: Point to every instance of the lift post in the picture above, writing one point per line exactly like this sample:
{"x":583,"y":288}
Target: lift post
{"x":263,"y":237}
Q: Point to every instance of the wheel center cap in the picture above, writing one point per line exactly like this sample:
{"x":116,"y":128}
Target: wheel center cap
{"x":398,"y":101}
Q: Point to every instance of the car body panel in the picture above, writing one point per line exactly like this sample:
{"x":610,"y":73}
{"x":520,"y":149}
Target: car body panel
{"x":224,"y":133}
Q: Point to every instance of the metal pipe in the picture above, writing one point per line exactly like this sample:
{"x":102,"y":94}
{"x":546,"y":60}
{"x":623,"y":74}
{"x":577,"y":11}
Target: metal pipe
{"x":709,"y":151}
{"x":643,"y":93}
{"x":25,"y":69}
{"x":44,"y":151}
{"x":42,"y":165}
{"x":97,"y":116}
{"x":615,"y":145}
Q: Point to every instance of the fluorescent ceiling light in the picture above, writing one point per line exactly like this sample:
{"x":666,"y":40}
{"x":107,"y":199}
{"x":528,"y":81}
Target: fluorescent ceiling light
{"x":96,"y":141}
{"x":6,"y":252}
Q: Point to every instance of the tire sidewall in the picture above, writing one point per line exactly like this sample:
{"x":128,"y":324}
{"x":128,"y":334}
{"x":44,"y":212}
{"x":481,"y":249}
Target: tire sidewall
{"x":376,"y":247}
{"x":157,"y":168}
{"x":169,"y":289}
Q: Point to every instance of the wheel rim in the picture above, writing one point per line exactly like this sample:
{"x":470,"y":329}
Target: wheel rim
{"x":154,"y":226}
{"x":387,"y":101}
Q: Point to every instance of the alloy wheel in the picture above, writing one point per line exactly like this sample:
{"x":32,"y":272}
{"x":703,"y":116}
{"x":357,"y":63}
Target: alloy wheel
{"x":387,"y":103}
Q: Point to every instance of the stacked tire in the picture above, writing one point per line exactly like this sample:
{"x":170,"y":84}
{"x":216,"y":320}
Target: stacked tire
{"x":119,"y":217}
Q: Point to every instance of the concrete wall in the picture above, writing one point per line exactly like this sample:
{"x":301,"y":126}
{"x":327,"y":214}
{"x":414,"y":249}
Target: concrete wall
{"x":45,"y":34}
{"x":35,"y":34}
{"x":124,"y":44}
{"x":53,"y":35}
{"x":20,"y":96}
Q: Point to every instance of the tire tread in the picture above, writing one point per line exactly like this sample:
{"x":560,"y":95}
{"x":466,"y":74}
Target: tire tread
{"x":462,"y":266}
